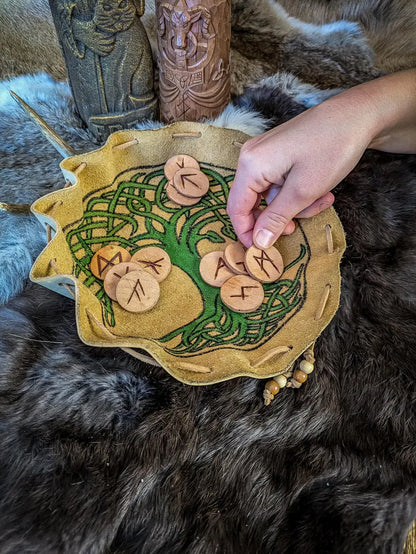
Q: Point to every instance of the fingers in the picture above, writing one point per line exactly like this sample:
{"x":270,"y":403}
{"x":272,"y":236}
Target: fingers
{"x":271,"y":195}
{"x":273,"y":221}
{"x":318,"y":206}
{"x":243,"y":200}
{"x":245,"y":195}
{"x":290,"y":227}
{"x":293,"y":198}
{"x":290,"y":188}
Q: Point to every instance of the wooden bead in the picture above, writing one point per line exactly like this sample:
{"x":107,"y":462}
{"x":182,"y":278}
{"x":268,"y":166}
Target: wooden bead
{"x":191,"y":182}
{"x":178,"y":198}
{"x":175,"y":163}
{"x":264,"y":265}
{"x":281,"y":381}
{"x":272,"y":387}
{"x":234,"y":256}
{"x":153,"y":260}
{"x":106,"y":258}
{"x":214,"y":270}
{"x":300,"y":376}
{"x":306,"y":367}
{"x":115,"y":274}
{"x":137,"y":291}
{"x":242,"y":294}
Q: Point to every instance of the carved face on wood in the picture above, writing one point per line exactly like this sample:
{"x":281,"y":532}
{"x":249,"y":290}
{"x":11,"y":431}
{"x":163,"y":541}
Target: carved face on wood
{"x":194,"y":66}
{"x":114,"y":16}
{"x":180,"y":19}
{"x":181,"y":23}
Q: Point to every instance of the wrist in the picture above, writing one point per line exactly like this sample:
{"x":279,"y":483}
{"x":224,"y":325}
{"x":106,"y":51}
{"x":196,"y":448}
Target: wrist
{"x":393,"y":100}
{"x":356,"y":113}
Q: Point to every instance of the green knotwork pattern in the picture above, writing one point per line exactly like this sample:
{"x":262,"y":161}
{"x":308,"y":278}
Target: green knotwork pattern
{"x":178,"y":230}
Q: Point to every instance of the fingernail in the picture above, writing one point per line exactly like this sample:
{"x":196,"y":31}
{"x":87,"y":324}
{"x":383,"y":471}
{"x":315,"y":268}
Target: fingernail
{"x":264,"y":238}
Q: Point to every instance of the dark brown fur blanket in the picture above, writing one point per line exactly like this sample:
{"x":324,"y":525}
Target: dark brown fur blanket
{"x":100,"y":454}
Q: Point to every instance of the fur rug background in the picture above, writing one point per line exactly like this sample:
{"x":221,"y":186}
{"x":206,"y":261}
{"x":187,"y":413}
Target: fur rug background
{"x":337,"y":54}
{"x":28,"y":41}
{"x":102,"y":454}
{"x":389,"y":25}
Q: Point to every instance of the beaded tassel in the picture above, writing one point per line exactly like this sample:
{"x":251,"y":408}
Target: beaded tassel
{"x":292,"y":379}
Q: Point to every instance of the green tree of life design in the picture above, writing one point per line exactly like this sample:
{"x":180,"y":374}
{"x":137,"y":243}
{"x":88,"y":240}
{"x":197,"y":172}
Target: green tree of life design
{"x":178,"y":230}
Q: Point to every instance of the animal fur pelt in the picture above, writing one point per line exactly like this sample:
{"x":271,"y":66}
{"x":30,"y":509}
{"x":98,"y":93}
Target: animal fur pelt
{"x":389,"y":25}
{"x":102,"y":454}
{"x":28,"y":41}
{"x":263,"y":42}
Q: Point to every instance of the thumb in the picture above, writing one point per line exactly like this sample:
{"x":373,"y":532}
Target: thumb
{"x":292,"y":199}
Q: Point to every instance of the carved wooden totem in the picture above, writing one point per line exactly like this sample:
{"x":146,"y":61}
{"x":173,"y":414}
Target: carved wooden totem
{"x":194,"y":58}
{"x":109,"y":61}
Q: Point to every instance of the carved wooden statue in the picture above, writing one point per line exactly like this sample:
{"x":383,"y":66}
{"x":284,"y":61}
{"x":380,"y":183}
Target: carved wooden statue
{"x":194,"y":58}
{"x":109,"y":61}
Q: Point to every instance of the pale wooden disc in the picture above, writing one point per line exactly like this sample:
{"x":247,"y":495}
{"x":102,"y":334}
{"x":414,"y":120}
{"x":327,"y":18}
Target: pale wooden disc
{"x":191,"y":182}
{"x":234,"y":256}
{"x":137,"y":291}
{"x":179,"y":162}
{"x":264,"y":265}
{"x":242,"y":293}
{"x":178,"y":198}
{"x":115,"y":274}
{"x":153,"y":260}
{"x":106,"y":258}
{"x":213,"y":269}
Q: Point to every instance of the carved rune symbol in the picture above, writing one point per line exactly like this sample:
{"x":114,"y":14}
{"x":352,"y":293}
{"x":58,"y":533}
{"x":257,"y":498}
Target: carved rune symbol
{"x":103,"y":263}
{"x":120,"y":276}
{"x":135,"y":292}
{"x":182,"y":107}
{"x":186,"y":179}
{"x":220,"y":264}
{"x":181,"y":163}
{"x":153,"y":265}
{"x":243,"y":294}
{"x":261,"y":261}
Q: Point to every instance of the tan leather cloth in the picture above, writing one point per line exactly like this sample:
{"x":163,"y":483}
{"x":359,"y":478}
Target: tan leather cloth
{"x":119,"y":198}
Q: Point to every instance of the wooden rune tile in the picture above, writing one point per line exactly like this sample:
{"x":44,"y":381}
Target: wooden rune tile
{"x":179,"y":162}
{"x":191,"y":182}
{"x":106,"y":258}
{"x":154,"y":261}
{"x":114,"y":275}
{"x":234,"y":256}
{"x":213,"y":269}
{"x":137,"y":291}
{"x":264,"y":265}
{"x":178,"y":198}
{"x":242,"y":294}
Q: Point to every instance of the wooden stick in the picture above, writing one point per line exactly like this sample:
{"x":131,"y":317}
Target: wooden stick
{"x":57,"y":142}
{"x":23,"y":209}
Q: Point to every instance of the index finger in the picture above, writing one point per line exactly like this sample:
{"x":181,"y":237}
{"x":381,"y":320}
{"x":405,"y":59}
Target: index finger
{"x":242,"y":200}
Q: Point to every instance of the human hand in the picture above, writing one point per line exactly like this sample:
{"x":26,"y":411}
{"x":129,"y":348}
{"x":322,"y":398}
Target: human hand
{"x":302,"y":160}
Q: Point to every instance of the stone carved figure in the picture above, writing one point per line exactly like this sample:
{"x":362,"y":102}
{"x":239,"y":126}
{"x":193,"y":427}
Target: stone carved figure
{"x":109,"y":61}
{"x":194,"y":46}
